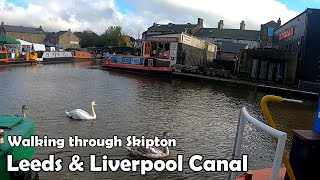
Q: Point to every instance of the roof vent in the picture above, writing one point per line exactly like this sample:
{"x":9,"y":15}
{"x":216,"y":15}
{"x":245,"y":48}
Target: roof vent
{"x":242,"y":26}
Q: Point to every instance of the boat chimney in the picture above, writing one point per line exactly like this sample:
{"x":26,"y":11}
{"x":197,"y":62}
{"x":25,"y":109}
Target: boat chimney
{"x":220,"y":24}
{"x":279,"y":22}
{"x":242,"y":26}
{"x":1,"y":136}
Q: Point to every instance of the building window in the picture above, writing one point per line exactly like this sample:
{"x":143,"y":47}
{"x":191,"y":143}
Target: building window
{"x":270,"y":31}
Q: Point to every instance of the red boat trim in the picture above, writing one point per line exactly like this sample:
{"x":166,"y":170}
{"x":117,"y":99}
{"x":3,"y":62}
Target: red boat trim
{"x":140,"y":67}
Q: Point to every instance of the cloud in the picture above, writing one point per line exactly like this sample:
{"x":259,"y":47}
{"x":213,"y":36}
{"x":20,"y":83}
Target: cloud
{"x":136,"y":16}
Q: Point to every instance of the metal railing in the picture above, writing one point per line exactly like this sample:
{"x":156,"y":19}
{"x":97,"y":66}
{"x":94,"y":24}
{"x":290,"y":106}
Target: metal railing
{"x":281,"y":136}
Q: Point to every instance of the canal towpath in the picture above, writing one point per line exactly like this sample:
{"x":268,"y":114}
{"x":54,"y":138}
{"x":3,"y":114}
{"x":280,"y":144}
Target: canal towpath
{"x":264,"y":87}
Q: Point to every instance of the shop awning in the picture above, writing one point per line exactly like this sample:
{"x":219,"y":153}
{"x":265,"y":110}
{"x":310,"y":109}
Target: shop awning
{"x":5,"y":39}
{"x":24,"y":43}
{"x":39,"y":47}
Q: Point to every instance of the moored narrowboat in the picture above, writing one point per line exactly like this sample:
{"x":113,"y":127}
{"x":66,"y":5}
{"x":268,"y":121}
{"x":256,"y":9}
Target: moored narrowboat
{"x":10,"y":126}
{"x":4,"y":56}
{"x":81,"y":55}
{"x":56,"y":57}
{"x":136,"y":64}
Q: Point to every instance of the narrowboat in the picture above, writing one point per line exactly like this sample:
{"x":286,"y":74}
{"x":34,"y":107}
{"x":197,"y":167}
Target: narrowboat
{"x":4,"y":57}
{"x":135,"y":64}
{"x":56,"y":57}
{"x":81,"y":55}
{"x":9,"y":126}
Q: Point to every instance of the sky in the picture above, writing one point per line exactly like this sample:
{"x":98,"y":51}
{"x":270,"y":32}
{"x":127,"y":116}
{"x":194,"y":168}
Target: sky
{"x":135,"y":16}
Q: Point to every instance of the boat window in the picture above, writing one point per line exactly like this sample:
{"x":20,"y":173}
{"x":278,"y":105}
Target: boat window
{"x":161,"y":50}
{"x":154,"y":47}
{"x":3,"y":56}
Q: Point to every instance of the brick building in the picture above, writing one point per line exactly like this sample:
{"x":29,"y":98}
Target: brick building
{"x":30,"y":34}
{"x":64,"y":39}
{"x":267,"y":32}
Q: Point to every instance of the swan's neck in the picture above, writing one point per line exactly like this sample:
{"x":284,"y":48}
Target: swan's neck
{"x":93,"y":113}
{"x":23,"y":114}
{"x":166,"y":150}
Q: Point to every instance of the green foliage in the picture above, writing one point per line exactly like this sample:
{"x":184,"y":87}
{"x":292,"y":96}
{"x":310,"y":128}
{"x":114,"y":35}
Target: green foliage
{"x":88,"y":38}
{"x":112,"y":36}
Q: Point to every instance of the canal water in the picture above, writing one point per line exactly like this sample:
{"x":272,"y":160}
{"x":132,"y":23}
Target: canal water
{"x":201,"y":116}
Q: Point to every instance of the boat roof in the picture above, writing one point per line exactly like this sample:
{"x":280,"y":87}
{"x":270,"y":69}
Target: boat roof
{"x":15,"y":126}
{"x":8,"y":122}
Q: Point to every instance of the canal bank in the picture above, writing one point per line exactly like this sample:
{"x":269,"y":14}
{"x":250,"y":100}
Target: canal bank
{"x":290,"y":91}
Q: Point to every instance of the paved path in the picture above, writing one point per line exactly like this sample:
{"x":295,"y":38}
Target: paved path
{"x":256,"y":85}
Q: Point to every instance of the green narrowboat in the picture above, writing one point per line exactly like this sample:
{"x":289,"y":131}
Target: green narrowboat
{"x":15,"y":125}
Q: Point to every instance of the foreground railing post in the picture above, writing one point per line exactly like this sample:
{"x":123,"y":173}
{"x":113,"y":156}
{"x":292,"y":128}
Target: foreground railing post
{"x":281,"y":136}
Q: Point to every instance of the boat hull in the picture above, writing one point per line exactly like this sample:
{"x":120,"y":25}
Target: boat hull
{"x":82,"y":56}
{"x":25,"y":128}
{"x":57,"y":60}
{"x":138,"y":69}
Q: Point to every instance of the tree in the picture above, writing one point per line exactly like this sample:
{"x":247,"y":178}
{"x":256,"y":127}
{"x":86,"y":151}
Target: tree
{"x":88,"y":38}
{"x":114,"y":36}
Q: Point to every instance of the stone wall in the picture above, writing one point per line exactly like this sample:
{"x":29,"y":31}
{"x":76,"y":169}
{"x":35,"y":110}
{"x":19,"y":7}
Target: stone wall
{"x":33,"y":38}
{"x":245,"y":64}
{"x":66,"y":38}
{"x":265,"y":39}
{"x":226,"y":56}
{"x":194,"y":56}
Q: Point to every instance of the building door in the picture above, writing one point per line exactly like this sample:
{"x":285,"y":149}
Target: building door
{"x":280,"y":72}
{"x":267,"y":70}
{"x":254,"y":68}
{"x":263,"y":70}
{"x":276,"y":71}
{"x":271,"y":71}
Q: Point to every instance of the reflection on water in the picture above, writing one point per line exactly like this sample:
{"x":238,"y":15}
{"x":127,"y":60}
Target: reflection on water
{"x":202,"y":117}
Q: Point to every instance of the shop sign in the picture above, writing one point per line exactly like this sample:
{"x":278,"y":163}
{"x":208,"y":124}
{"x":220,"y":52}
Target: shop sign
{"x":162,"y":39}
{"x":286,"y":33}
{"x":147,"y":48}
{"x":173,"y":50}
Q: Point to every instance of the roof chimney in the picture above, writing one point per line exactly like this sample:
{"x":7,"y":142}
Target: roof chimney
{"x":220,"y":24}
{"x":200,"y":22}
{"x":279,"y":22}
{"x":242,"y":26}
{"x":2,"y":23}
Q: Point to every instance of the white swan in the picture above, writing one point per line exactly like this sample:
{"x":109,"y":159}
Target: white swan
{"x":151,"y":152}
{"x":81,"y":114}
